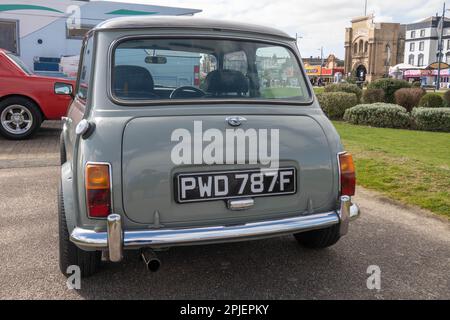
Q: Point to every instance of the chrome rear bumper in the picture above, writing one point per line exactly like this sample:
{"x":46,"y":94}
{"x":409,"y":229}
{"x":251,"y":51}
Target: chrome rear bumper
{"x":115,"y":239}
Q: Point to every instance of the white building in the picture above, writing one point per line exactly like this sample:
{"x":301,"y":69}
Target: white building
{"x":421,"y":44}
{"x":42,"y":31}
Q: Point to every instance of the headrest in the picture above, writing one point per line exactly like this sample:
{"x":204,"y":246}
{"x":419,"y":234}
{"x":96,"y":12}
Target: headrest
{"x":226,"y":81}
{"x":132,"y":80}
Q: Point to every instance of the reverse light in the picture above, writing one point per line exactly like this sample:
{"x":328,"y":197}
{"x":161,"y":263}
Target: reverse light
{"x":347,"y":174}
{"x":98,"y":189}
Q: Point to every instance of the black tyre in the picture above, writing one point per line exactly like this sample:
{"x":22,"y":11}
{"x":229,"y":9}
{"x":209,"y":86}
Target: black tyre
{"x":319,"y":239}
{"x":62,"y":150}
{"x":70,"y":254}
{"x":20,"y":118}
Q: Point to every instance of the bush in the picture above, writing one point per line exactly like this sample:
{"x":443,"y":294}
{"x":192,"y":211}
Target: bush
{"x":431,"y":119}
{"x":334,"y":104}
{"x":408,"y":98}
{"x":431,"y":100}
{"x":345,"y":87}
{"x":383,"y":115}
{"x":373,"y":95}
{"x":389,"y":86}
{"x":416,"y":84}
{"x":446,"y":98}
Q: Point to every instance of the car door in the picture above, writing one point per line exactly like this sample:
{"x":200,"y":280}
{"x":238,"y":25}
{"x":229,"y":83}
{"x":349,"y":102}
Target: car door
{"x":77,"y":108}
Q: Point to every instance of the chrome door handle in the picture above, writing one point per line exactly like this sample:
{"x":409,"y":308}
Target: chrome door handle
{"x":240,"y":204}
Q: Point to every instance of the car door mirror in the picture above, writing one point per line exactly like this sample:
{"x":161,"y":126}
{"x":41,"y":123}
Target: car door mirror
{"x":63,"y":89}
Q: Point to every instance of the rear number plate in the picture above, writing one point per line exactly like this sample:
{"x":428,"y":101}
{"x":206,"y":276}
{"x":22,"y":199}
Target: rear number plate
{"x":205,"y":186}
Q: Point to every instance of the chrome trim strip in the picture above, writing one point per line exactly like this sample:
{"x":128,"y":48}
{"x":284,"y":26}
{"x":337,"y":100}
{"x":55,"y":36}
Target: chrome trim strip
{"x":339,"y":169}
{"x":90,"y":240}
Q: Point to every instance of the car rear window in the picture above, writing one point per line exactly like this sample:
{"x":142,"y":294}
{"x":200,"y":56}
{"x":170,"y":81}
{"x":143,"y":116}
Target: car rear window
{"x":198,"y":69}
{"x":20,"y":63}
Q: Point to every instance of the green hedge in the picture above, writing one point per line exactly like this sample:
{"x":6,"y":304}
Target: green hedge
{"x":334,"y":104}
{"x":373,"y":95}
{"x":382,"y":115}
{"x":431,"y":119}
{"x":389,"y":86}
{"x":344,"y":87}
{"x":431,"y":100}
{"x":446,"y":98}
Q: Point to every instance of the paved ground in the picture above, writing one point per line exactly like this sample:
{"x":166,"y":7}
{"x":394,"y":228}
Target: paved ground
{"x":42,"y":150}
{"x":411,"y":247}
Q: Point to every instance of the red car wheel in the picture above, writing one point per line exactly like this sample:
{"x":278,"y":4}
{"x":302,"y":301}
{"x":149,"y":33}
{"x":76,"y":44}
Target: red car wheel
{"x":19,"y":118}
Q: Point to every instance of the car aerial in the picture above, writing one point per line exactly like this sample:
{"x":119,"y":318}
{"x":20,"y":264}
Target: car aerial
{"x":27,"y":99}
{"x":187,"y":131}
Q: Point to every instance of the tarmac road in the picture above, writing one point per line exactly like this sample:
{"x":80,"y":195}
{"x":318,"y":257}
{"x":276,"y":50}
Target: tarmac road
{"x":410,"y":246}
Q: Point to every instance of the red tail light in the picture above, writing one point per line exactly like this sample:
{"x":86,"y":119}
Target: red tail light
{"x":98,"y":190}
{"x":347,"y":174}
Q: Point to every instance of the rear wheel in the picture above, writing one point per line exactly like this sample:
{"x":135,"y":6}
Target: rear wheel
{"x":20,"y":118}
{"x":69,"y":253}
{"x":319,"y":239}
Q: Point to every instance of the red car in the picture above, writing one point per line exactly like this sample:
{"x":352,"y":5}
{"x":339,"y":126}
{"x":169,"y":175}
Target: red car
{"x":26,"y":99}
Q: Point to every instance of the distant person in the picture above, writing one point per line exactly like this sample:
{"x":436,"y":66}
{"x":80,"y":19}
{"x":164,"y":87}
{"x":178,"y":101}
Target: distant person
{"x":320,"y":82}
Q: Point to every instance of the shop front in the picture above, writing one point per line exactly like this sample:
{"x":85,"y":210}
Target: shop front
{"x":428,"y":77}
{"x":328,"y":75}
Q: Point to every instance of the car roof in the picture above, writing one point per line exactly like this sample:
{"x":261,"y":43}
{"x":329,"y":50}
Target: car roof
{"x":142,"y":22}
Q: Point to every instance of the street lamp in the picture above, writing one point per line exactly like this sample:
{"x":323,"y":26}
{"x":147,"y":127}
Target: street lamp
{"x":440,"y":46}
{"x":321,"y":60}
{"x":297,"y":37}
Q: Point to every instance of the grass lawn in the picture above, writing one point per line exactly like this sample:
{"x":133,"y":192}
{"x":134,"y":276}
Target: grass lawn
{"x":319,"y":90}
{"x":270,"y":93}
{"x":410,"y":166}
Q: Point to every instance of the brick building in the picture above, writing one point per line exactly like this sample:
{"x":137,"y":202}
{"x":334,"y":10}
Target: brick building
{"x":371,"y":48}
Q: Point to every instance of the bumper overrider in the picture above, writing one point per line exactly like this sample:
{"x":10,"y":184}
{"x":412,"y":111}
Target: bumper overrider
{"x":115,"y":239}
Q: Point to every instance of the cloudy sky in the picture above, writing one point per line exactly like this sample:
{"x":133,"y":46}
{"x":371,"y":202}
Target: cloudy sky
{"x":320,"y":23}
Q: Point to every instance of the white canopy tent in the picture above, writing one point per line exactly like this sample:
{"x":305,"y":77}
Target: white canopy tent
{"x":397,"y":70}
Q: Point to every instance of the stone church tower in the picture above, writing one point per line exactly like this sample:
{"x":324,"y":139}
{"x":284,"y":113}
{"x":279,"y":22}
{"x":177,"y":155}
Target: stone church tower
{"x":371,"y":48}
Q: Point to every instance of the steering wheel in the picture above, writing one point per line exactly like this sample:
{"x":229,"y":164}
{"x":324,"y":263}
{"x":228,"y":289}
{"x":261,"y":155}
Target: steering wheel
{"x":190,"y":90}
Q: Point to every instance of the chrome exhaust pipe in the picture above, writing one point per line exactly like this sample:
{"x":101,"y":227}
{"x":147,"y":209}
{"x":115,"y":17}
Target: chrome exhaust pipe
{"x":150,"y":259}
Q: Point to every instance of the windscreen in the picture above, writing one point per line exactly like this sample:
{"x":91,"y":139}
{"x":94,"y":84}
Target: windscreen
{"x":193,"y":69}
{"x":20,"y":63}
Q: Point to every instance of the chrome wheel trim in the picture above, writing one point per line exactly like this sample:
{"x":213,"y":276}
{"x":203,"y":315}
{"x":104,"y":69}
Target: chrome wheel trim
{"x":16,"y":119}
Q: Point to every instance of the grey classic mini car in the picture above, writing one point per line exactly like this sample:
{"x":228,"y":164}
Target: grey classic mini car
{"x":187,"y":131}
